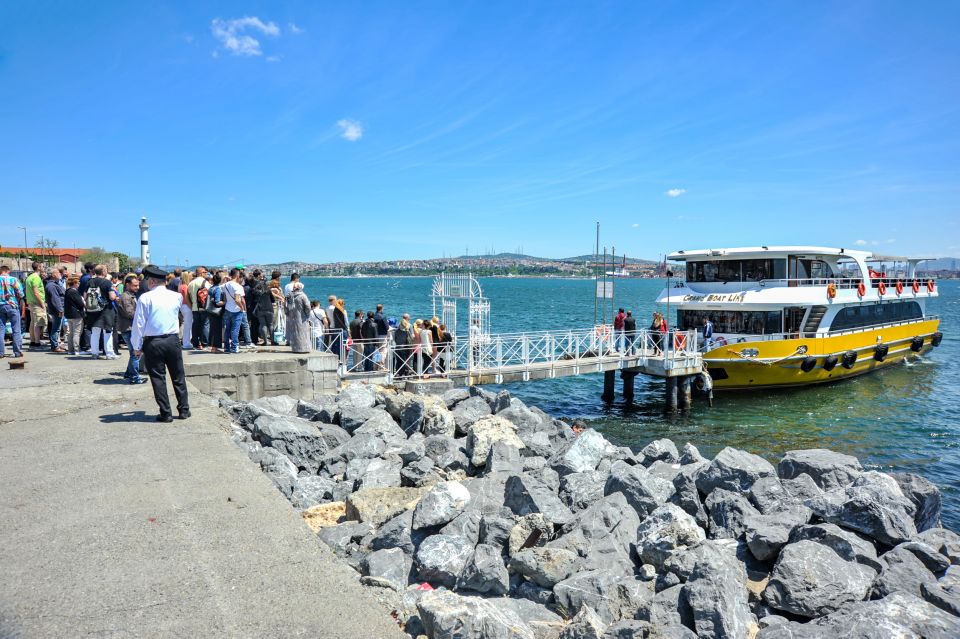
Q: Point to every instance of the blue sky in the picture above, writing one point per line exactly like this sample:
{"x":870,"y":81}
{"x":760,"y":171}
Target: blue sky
{"x":359,"y":131}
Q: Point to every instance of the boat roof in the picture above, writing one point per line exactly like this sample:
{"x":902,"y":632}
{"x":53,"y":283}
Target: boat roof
{"x":760,"y":252}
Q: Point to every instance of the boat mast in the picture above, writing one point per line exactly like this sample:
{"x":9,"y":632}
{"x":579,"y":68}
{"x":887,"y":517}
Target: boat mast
{"x":596,"y":254}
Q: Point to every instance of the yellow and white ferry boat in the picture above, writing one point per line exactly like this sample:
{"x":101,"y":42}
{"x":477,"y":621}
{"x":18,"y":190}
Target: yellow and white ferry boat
{"x":796,"y":315}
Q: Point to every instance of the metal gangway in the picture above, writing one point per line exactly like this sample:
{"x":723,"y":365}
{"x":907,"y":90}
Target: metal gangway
{"x":480,"y":358}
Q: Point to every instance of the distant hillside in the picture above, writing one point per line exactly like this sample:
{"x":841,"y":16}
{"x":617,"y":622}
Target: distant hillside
{"x":941,"y":264}
{"x":599,"y":258}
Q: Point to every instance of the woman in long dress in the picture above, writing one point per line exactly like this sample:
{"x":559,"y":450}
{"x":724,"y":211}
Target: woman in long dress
{"x":298,"y":320}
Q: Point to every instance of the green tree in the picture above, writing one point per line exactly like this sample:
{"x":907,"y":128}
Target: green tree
{"x":127,"y":263}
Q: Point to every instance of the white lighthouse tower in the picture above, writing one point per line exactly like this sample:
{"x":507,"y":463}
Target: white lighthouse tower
{"x":144,"y":242}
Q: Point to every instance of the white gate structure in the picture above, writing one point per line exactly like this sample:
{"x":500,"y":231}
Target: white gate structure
{"x":449,"y":289}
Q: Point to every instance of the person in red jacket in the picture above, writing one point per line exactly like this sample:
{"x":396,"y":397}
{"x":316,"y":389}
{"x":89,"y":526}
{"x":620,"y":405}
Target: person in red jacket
{"x":620,"y":338}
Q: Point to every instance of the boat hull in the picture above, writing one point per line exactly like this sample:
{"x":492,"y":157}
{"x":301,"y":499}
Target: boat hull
{"x":778,"y":362}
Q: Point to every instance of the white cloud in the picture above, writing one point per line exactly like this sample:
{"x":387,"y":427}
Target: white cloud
{"x":234,"y":37}
{"x":675,"y":192}
{"x":890,"y":241}
{"x":273,"y":58}
{"x":861,"y":242}
{"x":350,"y":130}
{"x":294,"y":29}
{"x":636,"y":226}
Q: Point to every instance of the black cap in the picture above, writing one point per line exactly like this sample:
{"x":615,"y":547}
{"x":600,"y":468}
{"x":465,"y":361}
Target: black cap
{"x":154,"y":272}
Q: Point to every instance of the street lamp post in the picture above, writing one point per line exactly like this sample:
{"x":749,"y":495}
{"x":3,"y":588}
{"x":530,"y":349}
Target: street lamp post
{"x":24,"y":229}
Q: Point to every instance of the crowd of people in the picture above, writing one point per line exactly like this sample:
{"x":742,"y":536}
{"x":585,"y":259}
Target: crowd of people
{"x":221,"y":311}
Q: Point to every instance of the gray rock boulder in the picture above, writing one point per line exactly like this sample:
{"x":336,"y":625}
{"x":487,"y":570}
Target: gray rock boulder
{"x":495,"y":531}
{"x":311,"y":490}
{"x":643,"y":491}
{"x":580,"y":490}
{"x":767,"y":534}
{"x":528,"y":531}
{"x":278,"y":404}
{"x":340,"y":536}
{"x":944,"y":541}
{"x":584,"y":453}
{"x":277,"y":466}
{"x":376,"y":473}
{"x":902,"y":571}
{"x":586,"y":624}
{"x":486,"y":572}
{"x":357,"y":395}
{"x":661,"y":450}
{"x":771,"y":494}
{"x":829,"y":470}
{"x":377,"y":505}
{"x":301,"y":441}
{"x":440,"y":504}
{"x":324,"y":409}
{"x":729,"y":514}
{"x":447,"y":615}
{"x":446,"y":452}
{"x":388,"y":567}
{"x":899,"y":615}
{"x":924,"y":496}
{"x":421,"y":473}
{"x":734,"y":470}
{"x":603,"y":535}
{"x":612,"y":595}
{"x":395,"y":533}
{"x":454,"y":396}
{"x":525,"y":494}
{"x":930,"y":556}
{"x":669,"y":608}
{"x":544,"y":566}
{"x":429,"y":415}
{"x":666,"y":531}
{"x":717,"y":596}
{"x":532,"y":592}
{"x":468,"y":412}
{"x":353,"y":416}
{"x":487,"y":493}
{"x":811,"y":580}
{"x":505,"y":458}
{"x":441,"y":559}
{"x":485,"y":432}
{"x":873,"y":505}
{"x":849,"y":545}
{"x":382,"y":426}
{"x":687,"y":496}
{"x":466,"y":525}
{"x":690,"y":454}
{"x":942,"y":598}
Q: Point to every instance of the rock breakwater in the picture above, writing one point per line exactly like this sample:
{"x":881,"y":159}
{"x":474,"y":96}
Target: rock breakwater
{"x":474,"y":515}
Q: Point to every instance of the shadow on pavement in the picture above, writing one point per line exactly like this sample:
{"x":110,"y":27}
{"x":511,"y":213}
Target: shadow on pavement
{"x":129,"y":416}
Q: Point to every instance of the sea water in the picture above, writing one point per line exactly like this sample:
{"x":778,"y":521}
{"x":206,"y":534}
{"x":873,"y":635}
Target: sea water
{"x":901,"y":419}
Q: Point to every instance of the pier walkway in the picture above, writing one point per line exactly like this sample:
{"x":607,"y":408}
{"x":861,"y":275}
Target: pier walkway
{"x":501,"y":358}
{"x":115,"y":525}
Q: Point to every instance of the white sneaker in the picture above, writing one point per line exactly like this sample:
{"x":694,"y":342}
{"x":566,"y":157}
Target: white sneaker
{"x":110,"y":357}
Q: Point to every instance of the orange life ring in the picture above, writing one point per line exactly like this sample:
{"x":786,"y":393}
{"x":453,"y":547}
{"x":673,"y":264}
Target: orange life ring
{"x":831,"y":290}
{"x":602,"y":331}
{"x":882,"y":288}
{"x":861,"y":289}
{"x":899,"y":287}
{"x":679,"y":340}
{"x":916,"y":286}
{"x":931,"y":285}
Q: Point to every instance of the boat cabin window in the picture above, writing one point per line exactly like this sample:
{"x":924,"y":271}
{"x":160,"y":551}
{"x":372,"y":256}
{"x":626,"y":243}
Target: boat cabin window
{"x":736,"y":270}
{"x":740,"y":322}
{"x":872,"y":314}
{"x":801,"y":268}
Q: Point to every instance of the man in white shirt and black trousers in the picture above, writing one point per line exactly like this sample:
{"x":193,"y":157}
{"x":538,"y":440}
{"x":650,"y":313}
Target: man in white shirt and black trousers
{"x":154,"y":335}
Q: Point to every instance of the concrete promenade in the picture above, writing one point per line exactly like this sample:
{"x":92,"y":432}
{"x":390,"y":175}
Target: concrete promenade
{"x":114,"y":525}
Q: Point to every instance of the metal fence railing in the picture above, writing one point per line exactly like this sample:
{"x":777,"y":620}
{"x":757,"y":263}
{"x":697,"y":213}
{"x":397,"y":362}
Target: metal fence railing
{"x":511,"y":352}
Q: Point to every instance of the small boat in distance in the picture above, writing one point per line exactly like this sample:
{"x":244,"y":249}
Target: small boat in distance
{"x":797,"y":315}
{"x":620,"y":272}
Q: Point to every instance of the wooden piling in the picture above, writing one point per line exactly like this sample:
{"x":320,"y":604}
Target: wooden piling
{"x":670,"y":403}
{"x":609,"y":385}
{"x":628,"y":384}
{"x":686,"y":392}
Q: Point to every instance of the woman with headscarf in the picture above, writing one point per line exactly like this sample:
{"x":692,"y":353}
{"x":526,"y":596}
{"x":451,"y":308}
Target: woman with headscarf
{"x":298,"y":320}
{"x":340,"y":327}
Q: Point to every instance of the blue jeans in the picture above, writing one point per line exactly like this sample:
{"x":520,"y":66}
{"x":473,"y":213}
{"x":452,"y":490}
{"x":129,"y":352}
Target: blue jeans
{"x":133,"y":364}
{"x":245,"y":329}
{"x":231,"y":330}
{"x":56,"y":322}
{"x":10,"y":314}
